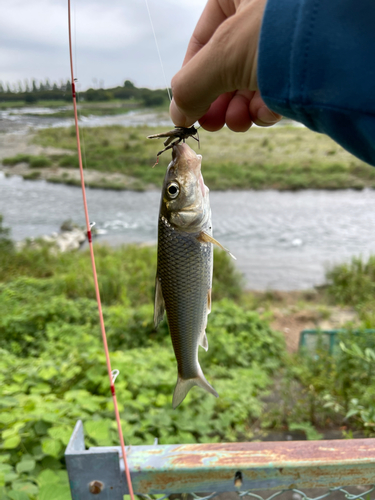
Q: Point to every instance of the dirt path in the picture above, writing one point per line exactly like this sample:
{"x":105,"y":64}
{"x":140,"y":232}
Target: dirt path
{"x":294,"y":314}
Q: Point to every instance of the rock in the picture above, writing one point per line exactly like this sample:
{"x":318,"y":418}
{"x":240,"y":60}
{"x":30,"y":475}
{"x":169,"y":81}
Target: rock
{"x":67,"y":240}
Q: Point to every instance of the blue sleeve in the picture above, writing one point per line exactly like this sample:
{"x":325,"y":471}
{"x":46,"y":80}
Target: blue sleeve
{"x":317,"y":66}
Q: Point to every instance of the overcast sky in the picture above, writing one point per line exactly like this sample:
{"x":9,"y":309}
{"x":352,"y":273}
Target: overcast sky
{"x":112,"y":40}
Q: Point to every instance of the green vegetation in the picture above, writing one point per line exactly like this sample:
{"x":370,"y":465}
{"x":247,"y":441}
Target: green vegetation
{"x":53,"y":372}
{"x":52,"y":366}
{"x":353,"y":283}
{"x":282,"y":158}
{"x":335,"y":390}
{"x":13,"y":160}
{"x":33,"y":161}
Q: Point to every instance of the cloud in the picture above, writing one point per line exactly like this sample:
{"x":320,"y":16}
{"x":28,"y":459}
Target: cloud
{"x":113,"y":41}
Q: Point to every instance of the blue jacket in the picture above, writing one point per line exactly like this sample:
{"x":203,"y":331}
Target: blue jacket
{"x":317,"y":66}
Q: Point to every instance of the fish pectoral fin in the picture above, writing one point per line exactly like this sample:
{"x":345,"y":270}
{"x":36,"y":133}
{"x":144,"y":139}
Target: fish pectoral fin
{"x":159,"y":306}
{"x":183,"y":386}
{"x":207,"y":238}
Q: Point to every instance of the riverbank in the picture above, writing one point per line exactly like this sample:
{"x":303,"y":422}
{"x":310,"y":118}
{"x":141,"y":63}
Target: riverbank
{"x":43,"y":165}
{"x":116,"y":157}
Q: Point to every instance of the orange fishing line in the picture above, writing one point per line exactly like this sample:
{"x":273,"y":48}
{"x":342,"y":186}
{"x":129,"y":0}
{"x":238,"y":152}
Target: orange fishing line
{"x":88,"y":226}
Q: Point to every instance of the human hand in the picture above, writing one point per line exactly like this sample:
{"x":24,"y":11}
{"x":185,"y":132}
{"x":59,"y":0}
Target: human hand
{"x":217,"y":83}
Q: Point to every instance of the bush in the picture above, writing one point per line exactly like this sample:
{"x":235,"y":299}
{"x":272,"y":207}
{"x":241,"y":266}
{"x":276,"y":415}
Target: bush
{"x":13,"y":160}
{"x":352,"y":283}
{"x":39,"y":162}
{"x":330,"y":390}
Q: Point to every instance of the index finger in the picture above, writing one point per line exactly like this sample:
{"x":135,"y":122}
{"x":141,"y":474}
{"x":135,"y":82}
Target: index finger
{"x":211,"y":18}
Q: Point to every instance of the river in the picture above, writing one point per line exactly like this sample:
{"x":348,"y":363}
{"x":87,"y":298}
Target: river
{"x":282,"y":240}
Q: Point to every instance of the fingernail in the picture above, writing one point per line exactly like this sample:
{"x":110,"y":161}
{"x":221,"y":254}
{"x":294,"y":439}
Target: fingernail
{"x":265,"y":115}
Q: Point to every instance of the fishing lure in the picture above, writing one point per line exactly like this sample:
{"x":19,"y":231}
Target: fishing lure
{"x":175,"y":136}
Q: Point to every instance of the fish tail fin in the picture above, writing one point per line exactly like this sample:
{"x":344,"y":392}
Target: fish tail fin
{"x":183,"y":386}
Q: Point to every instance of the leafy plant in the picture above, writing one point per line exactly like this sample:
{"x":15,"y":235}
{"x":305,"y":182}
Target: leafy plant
{"x":352,"y":283}
{"x":53,"y":371}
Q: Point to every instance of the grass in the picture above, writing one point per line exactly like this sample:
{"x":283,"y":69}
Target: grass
{"x":23,"y":104}
{"x":34,"y":161}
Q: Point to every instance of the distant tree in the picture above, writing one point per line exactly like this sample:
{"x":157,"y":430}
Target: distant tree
{"x":34,"y":86}
{"x":128,"y":84}
{"x":8,"y":88}
{"x":55,"y":87}
{"x":97,"y":95}
{"x":1,"y":87}
{"x":20,"y":89}
{"x":27,"y":88}
{"x":30,"y":98}
{"x":47,"y":85}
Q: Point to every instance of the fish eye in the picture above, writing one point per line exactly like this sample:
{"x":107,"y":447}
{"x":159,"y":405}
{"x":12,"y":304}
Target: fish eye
{"x":173,"y":189}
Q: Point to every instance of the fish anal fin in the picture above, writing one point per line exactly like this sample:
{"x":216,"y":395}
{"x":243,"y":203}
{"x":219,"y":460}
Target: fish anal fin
{"x":207,"y":238}
{"x":183,"y":386}
{"x":203,"y":341}
{"x":159,"y":306}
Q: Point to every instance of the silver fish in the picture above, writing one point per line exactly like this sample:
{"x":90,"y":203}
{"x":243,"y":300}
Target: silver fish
{"x":184,"y":268}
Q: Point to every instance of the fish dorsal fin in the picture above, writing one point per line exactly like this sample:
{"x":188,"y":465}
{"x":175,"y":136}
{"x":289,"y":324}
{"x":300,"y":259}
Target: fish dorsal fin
{"x":159,"y":306}
{"x":206,"y":238}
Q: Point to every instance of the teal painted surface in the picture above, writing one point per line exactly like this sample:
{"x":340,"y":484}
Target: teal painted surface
{"x":202,"y":468}
{"x":309,"y":338}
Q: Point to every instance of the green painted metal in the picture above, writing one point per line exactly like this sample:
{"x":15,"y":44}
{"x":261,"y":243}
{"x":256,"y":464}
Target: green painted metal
{"x":329,"y":338}
{"x":217,"y":467}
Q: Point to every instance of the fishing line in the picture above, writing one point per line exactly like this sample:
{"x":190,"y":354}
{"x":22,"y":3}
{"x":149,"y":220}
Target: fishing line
{"x":97,"y":292}
{"x":157,"y":48}
{"x":78,"y":93}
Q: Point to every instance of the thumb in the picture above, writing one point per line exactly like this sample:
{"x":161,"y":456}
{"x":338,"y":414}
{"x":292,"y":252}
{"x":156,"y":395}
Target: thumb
{"x":225,"y":64}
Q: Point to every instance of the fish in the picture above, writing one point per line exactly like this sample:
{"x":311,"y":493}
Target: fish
{"x":183,"y":280}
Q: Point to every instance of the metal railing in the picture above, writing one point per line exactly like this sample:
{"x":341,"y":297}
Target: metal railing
{"x":253,"y":469}
{"x":309,"y":339}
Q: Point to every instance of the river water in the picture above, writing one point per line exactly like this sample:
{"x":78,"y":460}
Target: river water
{"x":19,"y":120}
{"x":282,"y":240}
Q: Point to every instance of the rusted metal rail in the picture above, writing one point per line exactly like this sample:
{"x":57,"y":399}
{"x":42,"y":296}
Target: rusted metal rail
{"x":218,"y":467}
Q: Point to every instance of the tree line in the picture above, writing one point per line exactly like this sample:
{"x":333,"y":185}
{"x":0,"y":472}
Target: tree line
{"x":34,"y":91}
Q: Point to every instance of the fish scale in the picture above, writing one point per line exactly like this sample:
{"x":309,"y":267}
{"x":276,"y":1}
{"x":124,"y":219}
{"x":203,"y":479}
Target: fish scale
{"x":184,"y":271}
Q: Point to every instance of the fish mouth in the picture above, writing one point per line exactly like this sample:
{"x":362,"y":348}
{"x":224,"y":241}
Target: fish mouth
{"x":183,"y":151}
{"x":185,"y":159}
